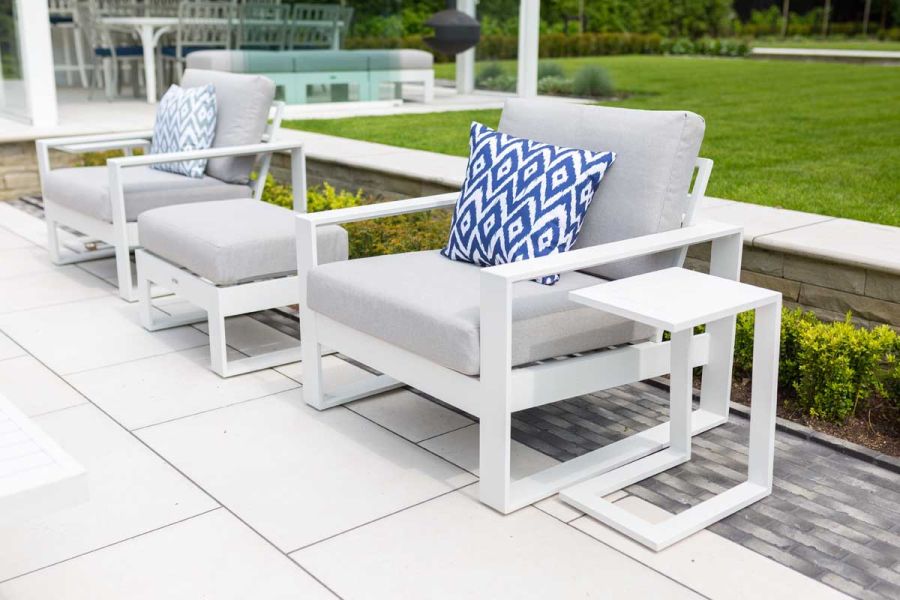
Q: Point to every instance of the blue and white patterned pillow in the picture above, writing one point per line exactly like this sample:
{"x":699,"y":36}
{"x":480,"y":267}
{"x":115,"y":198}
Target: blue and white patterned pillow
{"x":521,"y":199}
{"x":185,"y":120}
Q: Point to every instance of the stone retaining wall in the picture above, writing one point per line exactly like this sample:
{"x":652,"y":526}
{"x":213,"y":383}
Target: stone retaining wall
{"x":830,"y":289}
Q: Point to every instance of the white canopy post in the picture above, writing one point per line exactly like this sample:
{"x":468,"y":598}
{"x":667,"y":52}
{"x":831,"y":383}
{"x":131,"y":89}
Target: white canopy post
{"x":529,"y":38}
{"x":465,"y":61}
{"x":33,"y":23}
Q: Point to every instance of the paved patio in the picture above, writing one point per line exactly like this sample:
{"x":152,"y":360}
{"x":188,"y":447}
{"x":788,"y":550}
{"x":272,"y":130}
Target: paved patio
{"x":234,"y":488}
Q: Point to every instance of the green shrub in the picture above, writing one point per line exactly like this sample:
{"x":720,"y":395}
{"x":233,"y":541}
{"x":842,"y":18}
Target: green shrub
{"x":491,"y":70}
{"x":391,"y":235}
{"x":500,"y":83}
{"x":550,"y":69}
{"x":792,"y":324}
{"x":555,"y":86}
{"x":592,"y":81}
{"x":840,"y":366}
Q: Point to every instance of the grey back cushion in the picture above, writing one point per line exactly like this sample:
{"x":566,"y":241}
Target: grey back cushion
{"x":645,"y":191}
{"x":243,"y":103}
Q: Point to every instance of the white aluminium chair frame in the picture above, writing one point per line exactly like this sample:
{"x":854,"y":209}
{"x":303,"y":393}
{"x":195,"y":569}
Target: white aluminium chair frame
{"x":218,"y":302}
{"x":500,"y":389}
{"x":120,"y":234}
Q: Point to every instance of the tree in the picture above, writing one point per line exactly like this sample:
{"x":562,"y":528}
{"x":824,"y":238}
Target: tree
{"x":785,"y":16}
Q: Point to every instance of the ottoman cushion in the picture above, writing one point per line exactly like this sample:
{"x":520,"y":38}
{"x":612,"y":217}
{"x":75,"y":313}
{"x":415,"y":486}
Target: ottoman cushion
{"x":232,"y":241}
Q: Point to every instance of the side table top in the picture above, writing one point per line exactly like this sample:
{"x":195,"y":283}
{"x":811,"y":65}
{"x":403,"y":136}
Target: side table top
{"x":674,"y":299}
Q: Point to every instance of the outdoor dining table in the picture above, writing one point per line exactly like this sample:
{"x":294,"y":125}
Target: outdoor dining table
{"x":151,"y":29}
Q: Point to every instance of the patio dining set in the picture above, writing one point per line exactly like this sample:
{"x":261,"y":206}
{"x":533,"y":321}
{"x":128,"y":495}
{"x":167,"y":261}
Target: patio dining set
{"x":119,"y":35}
{"x":562,"y":271}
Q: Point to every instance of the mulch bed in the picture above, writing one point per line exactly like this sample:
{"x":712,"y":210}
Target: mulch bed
{"x":878,"y":428}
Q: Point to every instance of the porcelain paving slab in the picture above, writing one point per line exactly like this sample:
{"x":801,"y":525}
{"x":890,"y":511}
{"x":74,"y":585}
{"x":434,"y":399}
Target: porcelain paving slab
{"x":336,"y":372}
{"x":34,"y":388}
{"x":49,"y":288}
{"x":455,"y":547}
{"x":169,"y":386}
{"x":131,"y":492}
{"x":251,"y":337}
{"x":409,"y":415}
{"x":95,"y":333}
{"x":854,"y":242}
{"x":710,"y":564}
{"x":10,"y":241}
{"x":9,"y":349}
{"x":24,"y":261}
{"x":209,"y":556}
{"x":461,"y":448}
{"x":297,"y":475}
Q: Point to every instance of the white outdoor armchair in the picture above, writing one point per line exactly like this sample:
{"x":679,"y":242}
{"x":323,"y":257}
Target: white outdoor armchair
{"x":489,"y":340}
{"x":104,"y":202}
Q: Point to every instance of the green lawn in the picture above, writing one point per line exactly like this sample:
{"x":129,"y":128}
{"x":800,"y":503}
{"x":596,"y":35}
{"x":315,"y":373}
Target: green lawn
{"x":834,"y":44}
{"x":817,"y":137}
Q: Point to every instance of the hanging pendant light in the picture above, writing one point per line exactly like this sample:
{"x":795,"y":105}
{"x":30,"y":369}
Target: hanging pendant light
{"x":454,"y":31}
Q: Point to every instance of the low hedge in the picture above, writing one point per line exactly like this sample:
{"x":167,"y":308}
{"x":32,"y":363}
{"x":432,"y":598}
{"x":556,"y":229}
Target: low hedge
{"x":831,"y":371}
{"x":560,"y":45}
{"x":391,"y":235}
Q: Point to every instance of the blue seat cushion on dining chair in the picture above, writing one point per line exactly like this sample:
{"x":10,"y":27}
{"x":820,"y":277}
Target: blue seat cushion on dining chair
{"x":121,"y":51}
{"x":173,"y":50}
{"x":61,"y":19}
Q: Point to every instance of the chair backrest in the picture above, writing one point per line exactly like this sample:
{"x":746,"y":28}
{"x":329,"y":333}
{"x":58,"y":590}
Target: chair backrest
{"x":161,"y":8}
{"x":645,"y":190}
{"x":204,"y":25}
{"x":243,"y":103}
{"x":61,"y":7}
{"x":314,"y":25}
{"x":116,"y":8}
{"x":263,"y":25}
{"x":87,"y":19}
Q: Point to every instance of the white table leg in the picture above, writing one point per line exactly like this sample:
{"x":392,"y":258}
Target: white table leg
{"x":764,"y":391}
{"x":148,"y":42}
{"x":588,"y":496}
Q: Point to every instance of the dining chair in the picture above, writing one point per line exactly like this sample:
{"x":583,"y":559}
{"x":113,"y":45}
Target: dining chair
{"x":314,"y":26}
{"x":62,"y":20}
{"x":110,"y":49}
{"x":262,"y":26}
{"x":203,"y":25}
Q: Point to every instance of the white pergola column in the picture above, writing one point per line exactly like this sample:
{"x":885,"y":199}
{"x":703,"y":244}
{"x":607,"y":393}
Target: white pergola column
{"x":465,"y":61}
{"x":36,"y":52}
{"x":529,"y":37}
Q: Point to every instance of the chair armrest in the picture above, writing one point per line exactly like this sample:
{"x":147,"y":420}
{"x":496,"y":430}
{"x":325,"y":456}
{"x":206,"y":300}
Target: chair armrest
{"x":153,"y":159}
{"x":377,"y":211}
{"x":601,"y":254}
{"x":62,"y":143}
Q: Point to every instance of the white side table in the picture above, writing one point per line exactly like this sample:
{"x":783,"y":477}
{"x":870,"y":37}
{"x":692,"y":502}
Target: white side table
{"x":36,"y":475}
{"x":677,"y":300}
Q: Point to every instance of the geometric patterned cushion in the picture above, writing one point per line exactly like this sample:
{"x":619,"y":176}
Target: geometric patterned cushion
{"x":521,"y":199}
{"x":185,"y":120}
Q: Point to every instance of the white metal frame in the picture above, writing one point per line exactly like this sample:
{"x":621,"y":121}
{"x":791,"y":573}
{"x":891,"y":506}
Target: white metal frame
{"x":501,"y":389}
{"x":218,"y":302}
{"x":121,"y":234}
{"x":727,"y":301}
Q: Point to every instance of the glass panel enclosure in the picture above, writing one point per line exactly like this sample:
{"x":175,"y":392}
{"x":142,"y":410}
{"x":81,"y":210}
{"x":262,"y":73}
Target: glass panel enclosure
{"x":13,"y":97}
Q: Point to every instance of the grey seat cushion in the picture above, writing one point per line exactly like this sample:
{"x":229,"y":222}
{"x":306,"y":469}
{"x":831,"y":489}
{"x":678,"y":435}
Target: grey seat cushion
{"x":389,"y":60}
{"x":429,"y":305}
{"x":86,"y":190}
{"x":232,"y":241}
{"x":242,"y":113}
{"x":645,"y":191}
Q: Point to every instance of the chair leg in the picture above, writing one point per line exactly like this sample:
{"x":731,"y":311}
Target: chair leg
{"x":145,"y":300}
{"x":79,"y":56}
{"x":67,"y":54}
{"x":108,"y":79}
{"x":53,"y":240}
{"x":495,"y":430}
{"x":218,"y":351}
{"x":311,"y":350}
{"x":124,"y":272}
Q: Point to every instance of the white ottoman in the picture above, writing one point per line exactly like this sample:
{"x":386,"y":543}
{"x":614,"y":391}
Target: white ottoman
{"x":228,"y":257}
